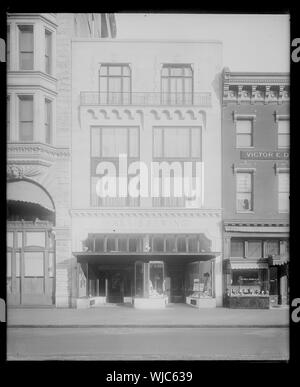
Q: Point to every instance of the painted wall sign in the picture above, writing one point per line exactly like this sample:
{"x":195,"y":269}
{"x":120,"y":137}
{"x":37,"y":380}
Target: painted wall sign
{"x":265,"y":155}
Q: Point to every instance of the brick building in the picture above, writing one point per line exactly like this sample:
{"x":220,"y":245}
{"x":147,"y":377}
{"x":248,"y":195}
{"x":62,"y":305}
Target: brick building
{"x":255,"y":173}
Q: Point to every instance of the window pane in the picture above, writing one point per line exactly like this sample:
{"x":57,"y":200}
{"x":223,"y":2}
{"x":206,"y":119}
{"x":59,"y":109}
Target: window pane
{"x":34,"y":264}
{"x":8,"y":117}
{"x":196,"y":142}
{"x":177,"y":71}
{"x":133,"y":245}
{"x":284,"y":182}
{"x":111,"y":244}
{"x":26,"y":107}
{"x":244,"y":126}
{"x":283,"y":140}
{"x":170,"y":245}
{"x":18,"y":265}
{"x":10,"y":239}
{"x":8,"y":48}
{"x":8,"y":264}
{"x":114,"y":142}
{"x":26,"y":38}
{"x":156,"y":279}
{"x":237,"y":248}
{"x":95,"y":142}
{"x":158,"y":244}
{"x":272,"y":248}
{"x":283,"y":202}
{"x":19,"y":239}
{"x":254,"y":249}
{"x":115,"y":70}
{"x":139,"y":279}
{"x":181,"y":245}
{"x":284,"y":126}
{"x":26,"y":131}
{"x":48,"y":122}
{"x":176,"y":142}
{"x":51,"y":265}
{"x":122,"y":244}
{"x":26,"y":61}
{"x":94,"y":196}
{"x":192,"y":245}
{"x":243,"y":140}
{"x":133,"y":142}
{"x":35,"y":239}
{"x":157,"y":143}
{"x":244,"y":182}
{"x":244,"y":202}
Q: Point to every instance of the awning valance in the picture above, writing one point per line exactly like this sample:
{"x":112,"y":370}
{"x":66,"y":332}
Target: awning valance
{"x":248,"y":265}
{"x":263,"y":229}
{"x":24,"y":191}
{"x":278,"y":260}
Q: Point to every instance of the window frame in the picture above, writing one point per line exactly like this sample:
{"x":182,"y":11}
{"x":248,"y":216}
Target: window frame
{"x":19,"y":26}
{"x":251,"y":134}
{"x":48,"y":126}
{"x":280,"y":173}
{"x":167,"y":94}
{"x":239,"y":172}
{"x":107,"y":76}
{"x":282,"y":134}
{"x":49,"y":56}
{"x":20,"y":97}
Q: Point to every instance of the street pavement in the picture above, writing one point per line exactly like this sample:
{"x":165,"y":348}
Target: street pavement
{"x":217,"y":343}
{"x":174,"y":315}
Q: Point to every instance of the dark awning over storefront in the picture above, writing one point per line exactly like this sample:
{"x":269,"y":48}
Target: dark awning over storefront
{"x":24,"y":191}
{"x":245,"y":263}
{"x":276,"y":260}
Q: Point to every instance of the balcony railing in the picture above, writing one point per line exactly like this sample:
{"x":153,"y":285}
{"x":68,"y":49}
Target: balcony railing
{"x":90,"y":98}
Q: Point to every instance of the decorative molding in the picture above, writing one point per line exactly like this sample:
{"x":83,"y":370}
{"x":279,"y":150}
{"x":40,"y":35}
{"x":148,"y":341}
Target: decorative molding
{"x":145,"y":213}
{"x":237,"y":116}
{"x":95,"y":114}
{"x":23,"y":171}
{"x":36,"y":151}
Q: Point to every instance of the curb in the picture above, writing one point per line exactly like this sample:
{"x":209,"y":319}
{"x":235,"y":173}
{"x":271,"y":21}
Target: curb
{"x":145,"y":326}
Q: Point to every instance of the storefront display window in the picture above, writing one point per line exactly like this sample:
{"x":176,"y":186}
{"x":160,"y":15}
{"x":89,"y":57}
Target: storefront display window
{"x":199,"y":279}
{"x":249,"y":282}
{"x":156,"y":279}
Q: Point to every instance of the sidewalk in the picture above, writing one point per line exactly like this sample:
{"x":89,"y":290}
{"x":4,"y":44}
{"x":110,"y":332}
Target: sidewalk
{"x":174,"y":315}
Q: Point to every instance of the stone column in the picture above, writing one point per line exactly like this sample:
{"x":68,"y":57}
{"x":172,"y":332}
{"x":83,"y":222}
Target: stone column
{"x":218,"y":280}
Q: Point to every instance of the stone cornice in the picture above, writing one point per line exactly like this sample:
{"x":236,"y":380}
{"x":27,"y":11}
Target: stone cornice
{"x":255,"y":87}
{"x":147,"y":213}
{"x":36,"y":151}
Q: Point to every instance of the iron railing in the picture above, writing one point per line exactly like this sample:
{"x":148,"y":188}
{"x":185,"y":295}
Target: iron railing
{"x":92,"y":98}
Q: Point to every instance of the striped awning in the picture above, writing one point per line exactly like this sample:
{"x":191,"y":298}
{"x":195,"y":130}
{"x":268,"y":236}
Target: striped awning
{"x":257,"y":228}
{"x":248,"y":265}
{"x":24,"y":191}
{"x":276,"y":260}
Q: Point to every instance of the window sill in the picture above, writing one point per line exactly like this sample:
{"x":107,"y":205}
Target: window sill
{"x":245,"y":212}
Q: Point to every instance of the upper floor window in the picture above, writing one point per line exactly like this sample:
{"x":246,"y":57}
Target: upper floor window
{"x":115,"y":84}
{"x":177,"y":142}
{"x":244,"y":133}
{"x":26,"y":47}
{"x":48,"y":121}
{"x":26,"y":118}
{"x":283,"y":133}
{"x":48,"y":43}
{"x":177,"y":84}
{"x":8,"y":48}
{"x":244,"y":191}
{"x":283,"y":191}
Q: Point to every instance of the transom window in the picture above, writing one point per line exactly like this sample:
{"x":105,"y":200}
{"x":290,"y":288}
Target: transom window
{"x":115,"y":84}
{"x":257,"y":248}
{"x":244,"y":191}
{"x":177,"y":84}
{"x":26,"y":47}
{"x":244,"y":133}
